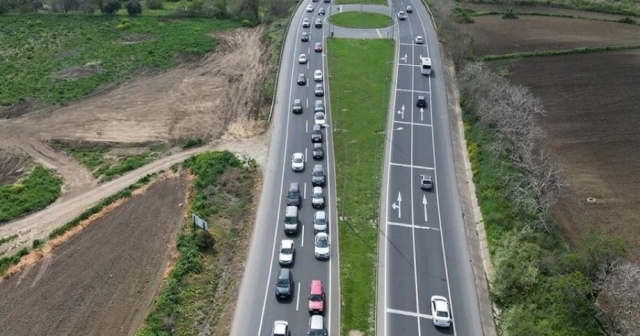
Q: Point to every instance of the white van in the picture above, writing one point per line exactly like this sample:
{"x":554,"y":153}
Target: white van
{"x":291,"y":220}
{"x":425,"y":66}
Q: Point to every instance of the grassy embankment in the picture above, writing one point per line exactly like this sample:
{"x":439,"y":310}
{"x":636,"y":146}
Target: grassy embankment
{"x":34,"y":192}
{"x":624,"y":7}
{"x":202,"y":285}
{"x":361,"y":20}
{"x":360,"y":79}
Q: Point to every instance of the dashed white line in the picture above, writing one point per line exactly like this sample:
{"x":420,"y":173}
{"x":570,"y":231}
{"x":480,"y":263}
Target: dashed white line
{"x":408,"y":313}
{"x":305,"y":155}
{"x":411,"y":123}
{"x":298,"y":298}
{"x":302,"y":242}
{"x":306,"y":126}
{"x":413,"y":91}
{"x":304,"y":193}
{"x":409,"y":226}
{"x":411,"y":166}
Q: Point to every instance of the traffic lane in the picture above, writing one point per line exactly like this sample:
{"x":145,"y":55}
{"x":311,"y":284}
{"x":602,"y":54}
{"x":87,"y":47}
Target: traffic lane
{"x":404,"y":78}
{"x":402,"y":325}
{"x":427,"y":328}
{"x":400,"y":144}
{"x":422,"y":146}
{"x":420,"y":81}
{"x":432,"y":278}
{"x":399,"y":207}
{"x":406,"y":55}
{"x":402,"y":109}
{"x":401,"y":283}
{"x":404,"y":31}
{"x":425,"y":206}
{"x":422,"y":115}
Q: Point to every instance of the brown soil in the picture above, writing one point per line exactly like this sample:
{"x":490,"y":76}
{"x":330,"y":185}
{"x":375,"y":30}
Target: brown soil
{"x":493,"y":35}
{"x":103,"y":280}
{"x":592,"y":125}
{"x":13,"y":165}
{"x":19,"y":109}
{"x":78,"y":72}
{"x":543,"y":9}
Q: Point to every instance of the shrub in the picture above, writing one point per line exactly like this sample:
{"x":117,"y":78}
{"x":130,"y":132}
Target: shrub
{"x":112,"y":7}
{"x":37,"y":243}
{"x":193,"y":142}
{"x":154,"y":4}
{"x":204,"y":240}
{"x":627,"y":20}
{"x":463,"y":15}
{"x":134,"y":7}
{"x":510,"y":14}
{"x":4,"y":6}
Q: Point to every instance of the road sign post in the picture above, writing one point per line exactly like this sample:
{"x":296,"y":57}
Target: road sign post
{"x":199,"y":222}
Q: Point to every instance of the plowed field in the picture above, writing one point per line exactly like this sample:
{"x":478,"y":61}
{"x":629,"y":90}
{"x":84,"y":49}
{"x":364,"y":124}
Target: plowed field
{"x":101,"y":281}
{"x":494,"y":36}
{"x":592,"y":126}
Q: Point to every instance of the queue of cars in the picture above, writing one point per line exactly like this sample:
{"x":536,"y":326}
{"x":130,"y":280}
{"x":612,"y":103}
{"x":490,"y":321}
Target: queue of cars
{"x":285,"y":285}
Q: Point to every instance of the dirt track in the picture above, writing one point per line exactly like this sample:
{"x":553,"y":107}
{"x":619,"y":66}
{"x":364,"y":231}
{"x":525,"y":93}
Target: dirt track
{"x":101,"y":281}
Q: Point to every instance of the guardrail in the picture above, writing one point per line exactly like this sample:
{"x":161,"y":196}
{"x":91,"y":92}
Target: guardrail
{"x":284,"y":41}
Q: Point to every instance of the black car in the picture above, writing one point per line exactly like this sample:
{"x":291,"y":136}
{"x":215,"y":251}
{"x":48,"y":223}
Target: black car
{"x":319,"y":91}
{"x":317,"y":177}
{"x":302,"y":79}
{"x":422,"y":101}
{"x":304,"y":37}
{"x":316,"y":133}
{"x":297,"y":106}
{"x":284,"y":284}
{"x":426,"y":182}
{"x":318,"y":23}
{"x":318,"y":151}
{"x":321,"y":11}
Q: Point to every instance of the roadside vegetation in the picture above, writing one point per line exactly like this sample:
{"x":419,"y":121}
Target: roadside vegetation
{"x":623,"y":7}
{"x":361,"y":20}
{"x":540,"y":285}
{"x":34,"y":192}
{"x":360,"y":79}
{"x":105,"y":166}
{"x":543,"y":53}
{"x":199,"y":294}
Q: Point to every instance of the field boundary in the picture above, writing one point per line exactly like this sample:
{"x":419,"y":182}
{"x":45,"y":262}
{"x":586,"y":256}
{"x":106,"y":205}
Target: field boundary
{"x":546,"y":53}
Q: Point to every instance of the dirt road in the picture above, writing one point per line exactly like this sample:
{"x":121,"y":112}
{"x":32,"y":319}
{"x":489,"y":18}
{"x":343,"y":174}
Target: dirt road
{"x":40,"y":224}
{"x":103,"y":280}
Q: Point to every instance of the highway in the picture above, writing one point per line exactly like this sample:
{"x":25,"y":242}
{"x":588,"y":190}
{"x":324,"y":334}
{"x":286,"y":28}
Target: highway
{"x":257,"y":307}
{"x":423,"y":250}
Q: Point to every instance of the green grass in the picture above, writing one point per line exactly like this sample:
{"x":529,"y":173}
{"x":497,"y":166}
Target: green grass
{"x":364,"y":2}
{"x":34,"y":192}
{"x":222,"y":195}
{"x":36,"y":47}
{"x":360,"y":73}
{"x":106,"y":169}
{"x":584,"y":50}
{"x":361,"y":20}
{"x":8,"y":239}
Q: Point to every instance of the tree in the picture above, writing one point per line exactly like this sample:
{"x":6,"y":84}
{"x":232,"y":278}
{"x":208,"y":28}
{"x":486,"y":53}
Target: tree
{"x":134,"y":7}
{"x":4,"y":6}
{"x":64,"y":6}
{"x":278,"y":8}
{"x":620,"y":297}
{"x":111,"y":7}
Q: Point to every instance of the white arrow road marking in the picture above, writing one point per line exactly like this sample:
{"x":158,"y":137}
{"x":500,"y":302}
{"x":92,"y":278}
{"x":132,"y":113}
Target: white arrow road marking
{"x":398,"y":206}
{"x":401,"y":112}
{"x":421,"y":114}
{"x":424,"y":204}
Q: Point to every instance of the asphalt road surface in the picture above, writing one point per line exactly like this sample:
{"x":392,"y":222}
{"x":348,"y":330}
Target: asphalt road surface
{"x":423,"y":250}
{"x":257,"y":306}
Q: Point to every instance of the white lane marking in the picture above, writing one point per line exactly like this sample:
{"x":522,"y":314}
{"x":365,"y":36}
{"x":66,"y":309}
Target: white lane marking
{"x":409,"y":226}
{"x":410,"y":166}
{"x":298,"y":298}
{"x":307,"y":66}
{"x":433,"y":146}
{"x":411,"y":123}
{"x":284,"y":167}
{"x":305,"y":155}
{"x":412,"y":44}
{"x":378,"y":31}
{"x":408,"y":313}
{"x":413,"y":91}
{"x":306,"y":126}
{"x":302,"y":242}
{"x":424,"y":204}
{"x":410,"y":65}
{"x":307,"y":100}
{"x":398,"y":206}
{"x":422,"y":114}
{"x":304,"y":194}
{"x":309,"y":50}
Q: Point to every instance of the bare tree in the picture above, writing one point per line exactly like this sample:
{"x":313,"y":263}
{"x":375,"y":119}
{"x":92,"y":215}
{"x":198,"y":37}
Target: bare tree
{"x":278,"y":8}
{"x":620,"y":295}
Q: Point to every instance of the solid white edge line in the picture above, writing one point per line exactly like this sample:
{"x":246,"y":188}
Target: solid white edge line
{"x":302,"y":241}
{"x":444,"y":255}
{"x":298,"y":298}
{"x":286,"y":141}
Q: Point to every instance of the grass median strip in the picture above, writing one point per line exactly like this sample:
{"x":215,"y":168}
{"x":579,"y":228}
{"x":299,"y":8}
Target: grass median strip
{"x":361,"y":20}
{"x":360,"y":79}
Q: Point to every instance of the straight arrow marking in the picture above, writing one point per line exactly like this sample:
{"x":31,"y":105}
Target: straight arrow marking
{"x":424,"y":204}
{"x":421,"y":114}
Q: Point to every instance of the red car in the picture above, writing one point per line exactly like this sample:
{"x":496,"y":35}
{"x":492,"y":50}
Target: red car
{"x":316,"y":297}
{"x":318,"y":47}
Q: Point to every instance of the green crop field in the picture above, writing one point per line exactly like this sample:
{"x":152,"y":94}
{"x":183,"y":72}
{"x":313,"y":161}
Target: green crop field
{"x":35,"y":48}
{"x":360,"y":80}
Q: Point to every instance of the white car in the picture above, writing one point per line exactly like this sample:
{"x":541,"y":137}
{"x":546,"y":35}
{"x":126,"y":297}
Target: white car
{"x":419,"y":40}
{"x":306,"y":23}
{"x":286,"y":252}
{"x":310,"y":8}
{"x":280,"y":328}
{"x":440,"y":311}
{"x":322,"y":245}
{"x":320,"y":119}
{"x":317,"y":76}
{"x":302,"y":59}
{"x":297,"y":162}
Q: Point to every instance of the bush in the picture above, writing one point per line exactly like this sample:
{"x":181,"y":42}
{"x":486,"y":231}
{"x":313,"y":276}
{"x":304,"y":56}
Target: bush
{"x":510,"y":14}
{"x":37,"y":243}
{"x":193,"y":142}
{"x":463,"y":15}
{"x":112,"y":7}
{"x":204,"y":240}
{"x":134,"y":7}
{"x":627,"y":20}
{"x":33,"y":193}
{"x":154,"y":4}
{"x":4,"y":7}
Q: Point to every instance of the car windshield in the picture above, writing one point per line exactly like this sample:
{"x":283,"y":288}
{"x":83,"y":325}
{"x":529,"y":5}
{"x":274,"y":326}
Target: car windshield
{"x":317,"y":173}
{"x":320,"y":221}
{"x":315,"y":333}
{"x":315,"y":297}
{"x":286,"y":250}
{"x":283,"y":283}
{"x":322,"y":242}
{"x":319,"y":116}
{"x":292,"y":194}
{"x":442,"y":314}
{"x":297,"y":159}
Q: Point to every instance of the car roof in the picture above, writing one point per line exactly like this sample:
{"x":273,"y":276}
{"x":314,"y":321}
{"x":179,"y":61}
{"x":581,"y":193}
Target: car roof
{"x":317,"y":127}
{"x":321,"y":214}
{"x":322,"y":234}
{"x":315,"y":284}
{"x":317,"y":145}
{"x":317,"y":167}
{"x":298,"y":154}
{"x":441,"y":303}
{"x":316,"y":322}
{"x":421,"y":97}
{"x":280,"y":327}
{"x":318,"y":71}
{"x":286,"y":243}
{"x":297,"y":100}
{"x":305,"y":33}
{"x":425,"y":177}
{"x":318,"y":85}
{"x":317,"y":189}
